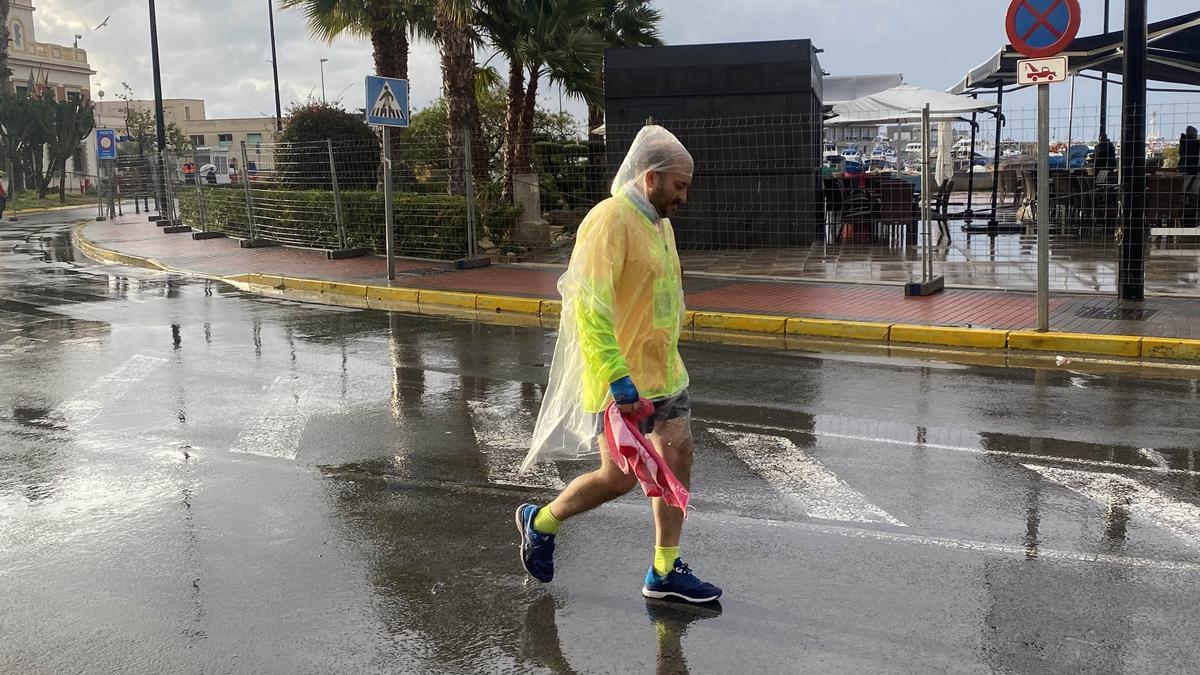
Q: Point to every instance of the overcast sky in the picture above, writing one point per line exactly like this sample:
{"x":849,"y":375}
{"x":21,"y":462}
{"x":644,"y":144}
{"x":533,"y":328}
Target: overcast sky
{"x":219,"y":50}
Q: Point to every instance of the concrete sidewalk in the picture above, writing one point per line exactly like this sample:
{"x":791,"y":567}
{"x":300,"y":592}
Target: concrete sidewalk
{"x":1159,"y":327}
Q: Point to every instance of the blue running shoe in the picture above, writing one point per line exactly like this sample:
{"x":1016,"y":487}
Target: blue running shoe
{"x":537,"y":550}
{"x":679,"y":583}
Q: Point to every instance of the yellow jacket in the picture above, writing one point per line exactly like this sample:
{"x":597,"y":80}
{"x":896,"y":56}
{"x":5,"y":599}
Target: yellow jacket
{"x":628,"y":304}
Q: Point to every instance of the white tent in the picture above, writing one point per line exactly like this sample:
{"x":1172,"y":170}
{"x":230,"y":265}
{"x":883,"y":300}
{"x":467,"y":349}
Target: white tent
{"x":903,"y":104}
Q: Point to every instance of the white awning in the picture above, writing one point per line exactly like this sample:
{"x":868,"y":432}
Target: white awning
{"x":904,"y":104}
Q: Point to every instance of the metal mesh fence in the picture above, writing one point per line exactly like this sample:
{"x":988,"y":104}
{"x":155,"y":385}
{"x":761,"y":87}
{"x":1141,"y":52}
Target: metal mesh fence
{"x":771,"y":198}
{"x":329,"y":195}
{"x":783,"y":196}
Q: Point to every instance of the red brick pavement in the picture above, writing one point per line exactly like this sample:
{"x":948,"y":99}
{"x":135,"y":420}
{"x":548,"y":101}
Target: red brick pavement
{"x":1170,"y":317}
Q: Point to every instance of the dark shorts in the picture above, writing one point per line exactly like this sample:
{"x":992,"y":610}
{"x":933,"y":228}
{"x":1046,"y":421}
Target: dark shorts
{"x":665,"y":409}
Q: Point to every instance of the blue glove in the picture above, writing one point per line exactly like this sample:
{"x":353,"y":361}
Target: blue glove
{"x":623,"y":391}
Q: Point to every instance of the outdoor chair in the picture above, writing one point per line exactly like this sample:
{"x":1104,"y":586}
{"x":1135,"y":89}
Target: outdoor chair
{"x":940,"y":208}
{"x":1164,"y":199}
{"x":897,"y":208}
{"x":834,"y":191}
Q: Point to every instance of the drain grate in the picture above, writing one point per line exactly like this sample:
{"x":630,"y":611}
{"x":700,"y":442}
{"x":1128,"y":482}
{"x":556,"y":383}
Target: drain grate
{"x":423,"y":272}
{"x":1116,"y":313}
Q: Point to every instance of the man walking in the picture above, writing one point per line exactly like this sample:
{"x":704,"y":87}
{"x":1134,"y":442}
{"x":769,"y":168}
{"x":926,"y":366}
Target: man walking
{"x":618,"y":341}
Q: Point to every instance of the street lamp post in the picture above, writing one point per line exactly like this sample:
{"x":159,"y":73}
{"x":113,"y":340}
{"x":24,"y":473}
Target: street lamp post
{"x":159,"y":116}
{"x":275,"y":68}
{"x":323,"y":81}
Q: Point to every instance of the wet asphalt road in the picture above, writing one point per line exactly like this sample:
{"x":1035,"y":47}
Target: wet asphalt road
{"x":197,"y":480}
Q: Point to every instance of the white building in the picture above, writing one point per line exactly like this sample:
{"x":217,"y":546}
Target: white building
{"x":61,"y":69}
{"x":189,"y":115}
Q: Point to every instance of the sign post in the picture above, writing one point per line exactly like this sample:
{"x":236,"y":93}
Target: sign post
{"x":1040,"y":29}
{"x":106,"y":151}
{"x":387,"y":106}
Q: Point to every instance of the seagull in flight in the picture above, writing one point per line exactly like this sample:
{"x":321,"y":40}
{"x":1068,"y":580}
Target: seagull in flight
{"x":103,"y":23}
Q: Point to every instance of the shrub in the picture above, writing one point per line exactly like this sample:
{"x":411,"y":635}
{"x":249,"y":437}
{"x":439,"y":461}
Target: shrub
{"x":303,"y":157}
{"x":432,"y":226}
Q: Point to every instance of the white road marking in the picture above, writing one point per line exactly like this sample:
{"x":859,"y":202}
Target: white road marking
{"x":793,"y":473}
{"x":955,"y":448}
{"x":961,"y":545}
{"x":1142,"y":502}
{"x":504,"y":438}
{"x":89,"y":403}
{"x":286,"y":408}
{"x":1155,"y":457}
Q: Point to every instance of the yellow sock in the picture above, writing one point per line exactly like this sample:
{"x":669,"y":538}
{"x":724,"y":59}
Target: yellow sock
{"x":664,"y":559}
{"x":545,"y":522}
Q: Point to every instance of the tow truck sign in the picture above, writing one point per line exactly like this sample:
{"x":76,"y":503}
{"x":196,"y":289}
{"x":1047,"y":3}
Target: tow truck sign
{"x":1042,"y":71}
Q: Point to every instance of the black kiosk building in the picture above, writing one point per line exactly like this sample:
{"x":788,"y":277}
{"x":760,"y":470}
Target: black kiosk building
{"x":750,"y":113}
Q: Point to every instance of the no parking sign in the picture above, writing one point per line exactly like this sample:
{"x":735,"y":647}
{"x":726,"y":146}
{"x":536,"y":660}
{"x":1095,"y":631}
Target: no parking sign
{"x":1041,"y":28}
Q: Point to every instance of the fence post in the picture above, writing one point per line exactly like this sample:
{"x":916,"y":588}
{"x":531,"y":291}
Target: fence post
{"x":169,"y":192}
{"x":249,"y":196}
{"x":12,"y":195}
{"x":469,"y":189}
{"x":337,"y":196}
{"x":929,"y":284}
{"x":99,"y":192}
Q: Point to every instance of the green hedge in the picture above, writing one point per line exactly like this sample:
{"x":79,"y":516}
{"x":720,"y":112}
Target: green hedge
{"x":433,"y":226}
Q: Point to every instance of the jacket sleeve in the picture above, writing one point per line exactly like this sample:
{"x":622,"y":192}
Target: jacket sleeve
{"x":600,"y":255}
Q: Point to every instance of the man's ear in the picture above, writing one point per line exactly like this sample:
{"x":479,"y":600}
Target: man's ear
{"x":651,"y":179}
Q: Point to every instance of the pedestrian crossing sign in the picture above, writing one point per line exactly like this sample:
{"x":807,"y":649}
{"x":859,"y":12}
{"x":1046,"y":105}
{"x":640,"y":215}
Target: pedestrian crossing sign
{"x":387,"y":101}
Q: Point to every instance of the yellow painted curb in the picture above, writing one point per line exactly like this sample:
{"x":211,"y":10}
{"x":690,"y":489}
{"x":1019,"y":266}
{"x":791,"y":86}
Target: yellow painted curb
{"x":339,"y":288}
{"x":297,"y":284}
{"x":689,"y":320}
{"x":551,"y":308}
{"x":448,"y":299}
{"x":849,"y":330}
{"x":752,"y":323}
{"x":944,"y":335}
{"x":391,"y":294}
{"x":1110,"y":345}
{"x":1166,"y":348}
{"x":500,"y":303}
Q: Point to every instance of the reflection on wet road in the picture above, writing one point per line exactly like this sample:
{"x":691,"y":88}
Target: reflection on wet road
{"x":197,"y":480}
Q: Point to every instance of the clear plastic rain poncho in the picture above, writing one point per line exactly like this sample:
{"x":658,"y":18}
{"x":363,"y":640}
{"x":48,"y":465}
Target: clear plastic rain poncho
{"x":622,"y":306}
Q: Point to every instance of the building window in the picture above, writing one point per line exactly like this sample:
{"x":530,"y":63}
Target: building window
{"x":198,"y":141}
{"x":187,"y":113}
{"x":18,"y":35}
{"x":226,"y":140}
{"x":74,"y":96}
{"x":253,"y":139}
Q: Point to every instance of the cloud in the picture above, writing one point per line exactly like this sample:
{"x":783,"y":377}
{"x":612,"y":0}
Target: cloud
{"x":219,"y":50}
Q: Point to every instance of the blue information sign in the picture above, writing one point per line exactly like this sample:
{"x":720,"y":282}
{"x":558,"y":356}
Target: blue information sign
{"x":387,"y":101}
{"x":106,"y":144}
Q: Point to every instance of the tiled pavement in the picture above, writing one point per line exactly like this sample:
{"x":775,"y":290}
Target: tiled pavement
{"x":1100,"y":314}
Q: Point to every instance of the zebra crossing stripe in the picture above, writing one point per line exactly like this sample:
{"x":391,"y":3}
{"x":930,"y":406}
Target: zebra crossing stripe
{"x":503,"y":441}
{"x":289,"y":403}
{"x":89,"y":403}
{"x":1141,"y":501}
{"x":793,"y":473}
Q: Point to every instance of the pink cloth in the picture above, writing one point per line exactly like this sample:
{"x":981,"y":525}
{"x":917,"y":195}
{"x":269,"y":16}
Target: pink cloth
{"x":634,"y":453}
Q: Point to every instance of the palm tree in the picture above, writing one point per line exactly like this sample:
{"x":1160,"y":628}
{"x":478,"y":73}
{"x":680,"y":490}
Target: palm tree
{"x":386,"y":22}
{"x":5,"y":73}
{"x":541,"y":39}
{"x":453,"y":33}
{"x":622,"y":23}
